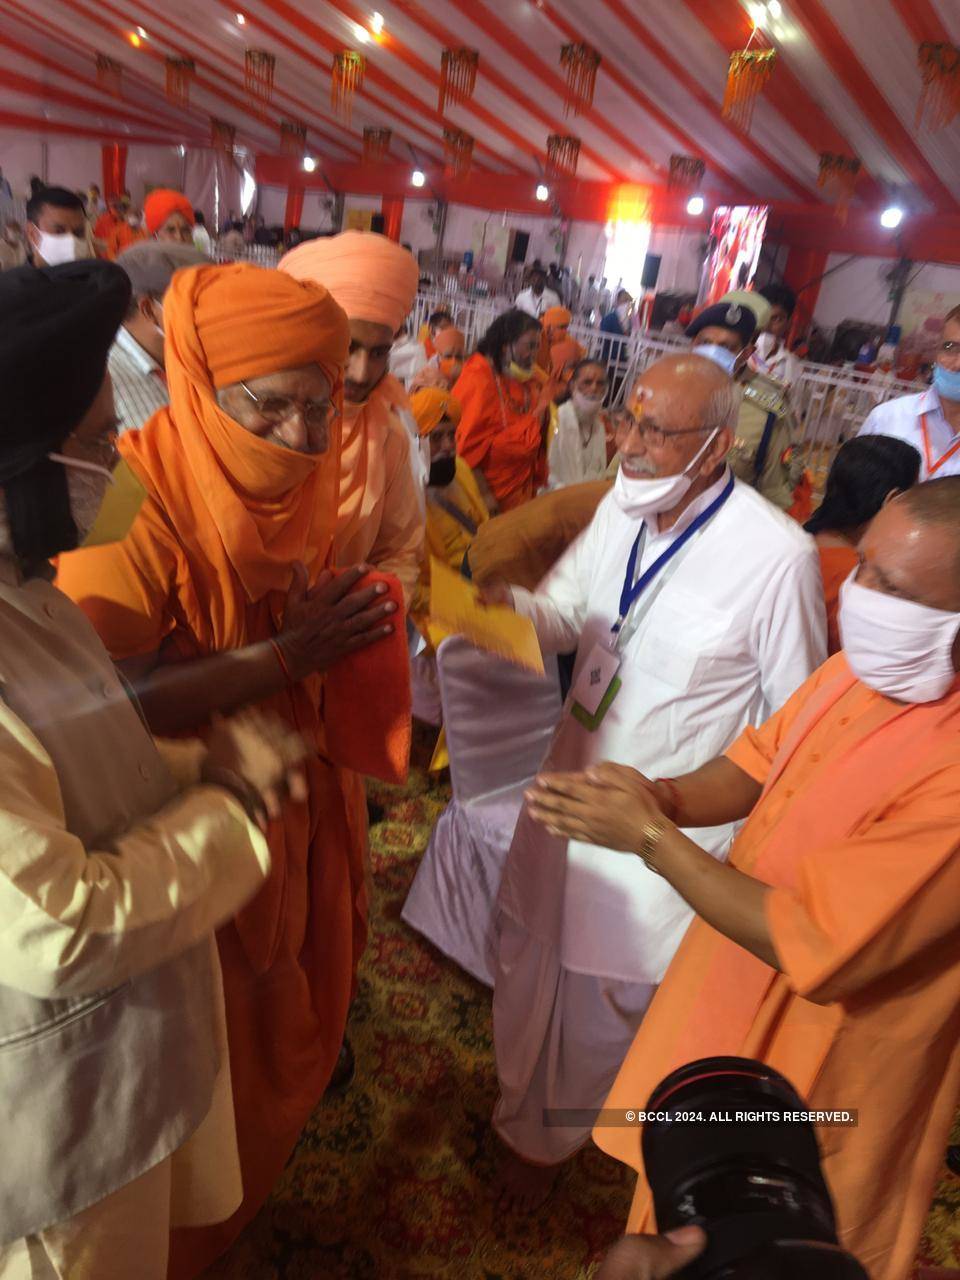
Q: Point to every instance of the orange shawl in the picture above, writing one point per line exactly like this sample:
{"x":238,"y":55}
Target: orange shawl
{"x":499,"y":433}
{"x":836,"y":565}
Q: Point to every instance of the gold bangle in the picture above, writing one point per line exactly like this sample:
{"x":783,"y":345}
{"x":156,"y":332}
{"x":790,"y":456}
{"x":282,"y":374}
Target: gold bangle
{"x":650,"y":837}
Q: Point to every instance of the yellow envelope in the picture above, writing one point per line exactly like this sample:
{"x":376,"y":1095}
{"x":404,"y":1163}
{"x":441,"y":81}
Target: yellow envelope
{"x":454,"y":608}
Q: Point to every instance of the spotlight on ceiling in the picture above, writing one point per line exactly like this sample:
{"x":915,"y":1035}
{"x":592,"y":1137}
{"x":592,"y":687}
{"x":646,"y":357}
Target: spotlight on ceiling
{"x":134,"y":39}
{"x":241,"y":20}
{"x":418,"y":178}
{"x":774,"y":8}
{"x":309,"y":164}
{"x":695,"y":206}
{"x":362,"y":34}
{"x":758,"y":14}
{"x":891,"y":217}
{"x":141,"y":33}
{"x":376,"y":23}
{"x":543,"y":192}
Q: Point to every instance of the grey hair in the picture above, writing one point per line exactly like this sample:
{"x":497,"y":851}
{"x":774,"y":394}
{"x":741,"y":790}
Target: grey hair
{"x":150,"y":266}
{"x":723,"y":407}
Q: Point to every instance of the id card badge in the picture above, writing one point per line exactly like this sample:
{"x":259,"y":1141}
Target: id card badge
{"x":596,"y":687}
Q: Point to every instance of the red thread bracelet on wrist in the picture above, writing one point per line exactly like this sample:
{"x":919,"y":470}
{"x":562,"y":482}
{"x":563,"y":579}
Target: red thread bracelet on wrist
{"x":275,"y":645}
{"x":675,"y":801}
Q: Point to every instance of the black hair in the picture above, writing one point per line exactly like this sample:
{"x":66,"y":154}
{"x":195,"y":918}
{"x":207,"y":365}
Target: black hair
{"x":38,"y":513}
{"x":780,"y":295}
{"x":504,"y":332}
{"x":57,"y":197}
{"x":864,"y":471}
{"x":436,"y":316}
{"x":198,"y":218}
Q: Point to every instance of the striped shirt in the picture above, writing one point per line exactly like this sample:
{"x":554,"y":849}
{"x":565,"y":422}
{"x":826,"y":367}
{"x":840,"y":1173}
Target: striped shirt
{"x":139,"y":389}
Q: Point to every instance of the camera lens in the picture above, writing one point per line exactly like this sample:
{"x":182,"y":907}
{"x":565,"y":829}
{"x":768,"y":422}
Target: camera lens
{"x":722,"y":1153}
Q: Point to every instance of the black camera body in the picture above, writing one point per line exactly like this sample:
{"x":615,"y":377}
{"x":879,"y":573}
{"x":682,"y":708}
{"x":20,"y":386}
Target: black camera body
{"x":721,"y":1151}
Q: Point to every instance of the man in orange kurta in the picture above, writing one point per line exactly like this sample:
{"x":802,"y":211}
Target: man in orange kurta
{"x":505,"y":405}
{"x":220,"y":597}
{"x":382,"y":478}
{"x":827,"y":948}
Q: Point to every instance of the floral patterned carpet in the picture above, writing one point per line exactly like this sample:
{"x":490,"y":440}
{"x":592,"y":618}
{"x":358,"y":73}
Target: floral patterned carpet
{"x":391,"y":1179}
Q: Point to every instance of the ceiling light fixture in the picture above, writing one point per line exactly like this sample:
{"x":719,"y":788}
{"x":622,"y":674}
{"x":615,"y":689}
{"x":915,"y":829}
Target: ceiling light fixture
{"x":141,"y":33}
{"x":241,"y":20}
{"x":695,"y":206}
{"x":376,"y":23}
{"x":362,"y":34}
{"x":758,"y":14}
{"x":774,"y":8}
{"x":134,"y":39}
{"x":309,"y":164}
{"x":891,"y":217}
{"x":418,"y":178}
{"x":543,"y":192}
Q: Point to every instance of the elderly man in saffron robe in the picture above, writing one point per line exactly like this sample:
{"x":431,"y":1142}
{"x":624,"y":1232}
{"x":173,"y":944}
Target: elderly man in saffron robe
{"x":221,"y":596}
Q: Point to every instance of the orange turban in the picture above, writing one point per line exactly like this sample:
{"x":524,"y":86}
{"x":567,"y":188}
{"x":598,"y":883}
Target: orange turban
{"x":450,"y":342}
{"x":248,"y":321}
{"x":556,"y":318}
{"x":430,"y":406}
{"x":372,"y":277}
{"x":564,"y":354}
{"x":159,"y":205}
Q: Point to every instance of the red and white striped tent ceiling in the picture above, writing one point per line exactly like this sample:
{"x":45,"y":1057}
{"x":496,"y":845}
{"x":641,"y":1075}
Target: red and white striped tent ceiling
{"x":846,"y":81}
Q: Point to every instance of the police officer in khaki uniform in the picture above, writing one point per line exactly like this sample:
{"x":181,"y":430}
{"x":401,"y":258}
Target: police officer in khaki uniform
{"x":765,"y":452}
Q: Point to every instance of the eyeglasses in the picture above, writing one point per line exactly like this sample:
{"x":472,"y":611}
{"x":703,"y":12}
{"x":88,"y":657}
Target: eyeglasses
{"x":277,"y":409}
{"x":949,"y":348}
{"x":624,"y":421}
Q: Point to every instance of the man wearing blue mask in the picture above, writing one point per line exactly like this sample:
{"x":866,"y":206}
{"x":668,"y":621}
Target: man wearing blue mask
{"x":930,"y":420}
{"x":763,"y":453}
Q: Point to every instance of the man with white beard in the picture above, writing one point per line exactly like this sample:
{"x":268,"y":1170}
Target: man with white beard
{"x":578,"y":450}
{"x":696,"y":610}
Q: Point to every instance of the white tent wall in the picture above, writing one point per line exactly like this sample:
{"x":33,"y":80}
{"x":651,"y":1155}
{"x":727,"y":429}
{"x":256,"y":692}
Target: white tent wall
{"x":857,"y":290}
{"x":680,"y":258}
{"x":272,"y":204}
{"x":416,"y":227}
{"x":20,"y":158}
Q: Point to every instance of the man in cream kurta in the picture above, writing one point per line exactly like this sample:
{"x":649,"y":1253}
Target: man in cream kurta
{"x":724,"y":632}
{"x":115,"y":865}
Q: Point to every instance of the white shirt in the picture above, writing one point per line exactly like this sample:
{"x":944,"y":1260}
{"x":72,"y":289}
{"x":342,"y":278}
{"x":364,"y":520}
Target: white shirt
{"x":570,"y":460}
{"x":901,"y":418}
{"x":783,"y":365}
{"x":407,"y":358}
{"x":535,"y":306}
{"x":732,"y":627}
{"x":139,"y":389}
{"x":202,"y":240}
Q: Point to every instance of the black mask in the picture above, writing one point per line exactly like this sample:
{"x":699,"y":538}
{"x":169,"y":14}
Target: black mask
{"x":442,"y":472}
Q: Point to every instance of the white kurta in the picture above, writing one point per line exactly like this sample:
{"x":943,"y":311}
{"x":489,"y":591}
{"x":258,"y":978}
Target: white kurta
{"x":901,"y":418}
{"x":569,"y":459}
{"x":725,"y":635}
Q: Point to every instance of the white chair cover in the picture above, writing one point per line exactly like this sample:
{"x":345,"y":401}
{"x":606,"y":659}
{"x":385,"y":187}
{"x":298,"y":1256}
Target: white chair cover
{"x":499,"y":722}
{"x":425,"y":688}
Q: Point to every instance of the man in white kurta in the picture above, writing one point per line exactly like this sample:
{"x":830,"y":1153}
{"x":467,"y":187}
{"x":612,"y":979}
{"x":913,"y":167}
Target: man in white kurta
{"x":578,"y":447}
{"x":929,"y":420}
{"x":727,"y":627}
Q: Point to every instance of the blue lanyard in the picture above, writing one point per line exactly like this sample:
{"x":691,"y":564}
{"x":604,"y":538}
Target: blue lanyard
{"x":632,"y":592}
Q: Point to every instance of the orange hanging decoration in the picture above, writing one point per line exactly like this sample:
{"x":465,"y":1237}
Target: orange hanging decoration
{"x":458,"y":75}
{"x":750,"y":69}
{"x":686,"y":173}
{"x":838,"y":176}
{"x":180,"y":71}
{"x":376,"y":144}
{"x":581,"y":63}
{"x":458,"y":150}
{"x":348,"y":69}
{"x":940,"y":95}
{"x":222,"y":136}
{"x":258,"y":69}
{"x":293,"y":137}
{"x":109,"y":74}
{"x":563,"y":154}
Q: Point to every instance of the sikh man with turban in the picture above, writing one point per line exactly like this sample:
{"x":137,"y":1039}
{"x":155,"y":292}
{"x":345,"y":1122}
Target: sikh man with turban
{"x":221,"y":597}
{"x":168,"y":215}
{"x":455,"y":505}
{"x":119,"y":855}
{"x":381,"y":516}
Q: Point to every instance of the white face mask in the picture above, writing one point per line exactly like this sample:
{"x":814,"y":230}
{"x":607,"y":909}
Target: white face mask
{"x":642,"y":498}
{"x":87,"y":486}
{"x":586,"y":406}
{"x":56,"y":250}
{"x":726,"y":360}
{"x":897,"y":647}
{"x":623,"y":311}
